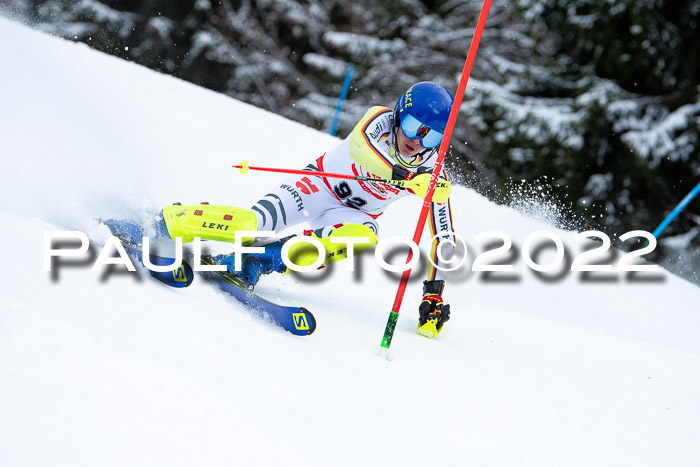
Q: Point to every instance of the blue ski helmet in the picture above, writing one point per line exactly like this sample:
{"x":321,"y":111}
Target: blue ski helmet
{"x":422,"y":112}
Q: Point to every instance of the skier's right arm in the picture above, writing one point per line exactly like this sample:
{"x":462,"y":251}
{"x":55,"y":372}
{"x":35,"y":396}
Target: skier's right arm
{"x":367,"y":142}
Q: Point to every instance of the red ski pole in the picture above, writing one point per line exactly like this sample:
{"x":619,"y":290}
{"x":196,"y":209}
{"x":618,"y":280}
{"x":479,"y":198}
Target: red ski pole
{"x":244,"y":168}
{"x":412,"y":184}
{"x":394,"y":315}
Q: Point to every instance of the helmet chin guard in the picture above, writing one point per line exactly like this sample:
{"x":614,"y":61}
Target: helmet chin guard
{"x":415,"y":161}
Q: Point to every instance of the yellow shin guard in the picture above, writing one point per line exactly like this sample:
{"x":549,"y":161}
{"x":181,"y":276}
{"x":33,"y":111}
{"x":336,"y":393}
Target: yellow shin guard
{"x":209,"y":222}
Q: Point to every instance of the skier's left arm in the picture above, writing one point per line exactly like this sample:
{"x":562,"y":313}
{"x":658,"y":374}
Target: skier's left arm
{"x":440,"y":219}
{"x":433,"y":312}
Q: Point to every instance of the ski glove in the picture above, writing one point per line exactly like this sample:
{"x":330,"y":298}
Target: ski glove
{"x":433,"y":312}
{"x":419,"y":186}
{"x":419,"y":182}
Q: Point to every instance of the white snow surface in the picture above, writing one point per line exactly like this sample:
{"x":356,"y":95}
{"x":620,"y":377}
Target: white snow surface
{"x":118,"y":370}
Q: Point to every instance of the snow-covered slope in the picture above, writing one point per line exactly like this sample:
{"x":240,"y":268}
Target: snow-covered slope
{"x":113,"y":369}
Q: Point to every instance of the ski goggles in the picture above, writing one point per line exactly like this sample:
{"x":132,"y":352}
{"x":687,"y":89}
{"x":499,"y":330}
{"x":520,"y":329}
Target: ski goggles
{"x":413,"y":128}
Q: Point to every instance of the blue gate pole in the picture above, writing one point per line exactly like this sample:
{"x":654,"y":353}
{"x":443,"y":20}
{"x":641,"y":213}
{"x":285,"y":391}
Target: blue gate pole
{"x":689,"y":197}
{"x":343,"y":95}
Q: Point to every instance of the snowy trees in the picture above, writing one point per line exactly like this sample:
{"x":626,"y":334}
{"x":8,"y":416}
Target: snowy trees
{"x":602,"y":97}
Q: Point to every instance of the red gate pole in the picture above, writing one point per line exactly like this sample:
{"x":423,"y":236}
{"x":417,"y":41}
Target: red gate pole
{"x":394,"y":315}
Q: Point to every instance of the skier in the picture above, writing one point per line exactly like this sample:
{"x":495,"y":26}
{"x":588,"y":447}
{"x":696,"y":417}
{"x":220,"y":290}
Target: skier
{"x":399,"y":145}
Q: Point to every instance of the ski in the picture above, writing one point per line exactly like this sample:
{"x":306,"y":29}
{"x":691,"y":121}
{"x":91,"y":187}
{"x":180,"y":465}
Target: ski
{"x":130,"y":235}
{"x":297,"y":320}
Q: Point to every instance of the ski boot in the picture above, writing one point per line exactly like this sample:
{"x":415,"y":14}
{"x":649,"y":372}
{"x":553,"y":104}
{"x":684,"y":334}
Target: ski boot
{"x":433,"y":313}
{"x":254,"y":265}
{"x":131,"y":232}
{"x":159,"y":224}
{"x":126,"y":231}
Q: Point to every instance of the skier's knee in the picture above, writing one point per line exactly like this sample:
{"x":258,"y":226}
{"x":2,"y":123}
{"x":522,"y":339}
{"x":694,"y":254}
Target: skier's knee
{"x":335,"y":244}
{"x":356,"y":231}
